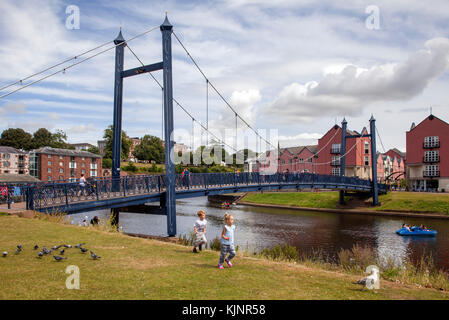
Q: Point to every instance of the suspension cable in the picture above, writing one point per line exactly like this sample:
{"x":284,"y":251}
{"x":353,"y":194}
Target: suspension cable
{"x":75,"y":64}
{"x":180,"y":105}
{"x":215,"y":89}
{"x":54,"y":66}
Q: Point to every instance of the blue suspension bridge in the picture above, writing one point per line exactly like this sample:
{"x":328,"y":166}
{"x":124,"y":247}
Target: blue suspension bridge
{"x":118,"y":191}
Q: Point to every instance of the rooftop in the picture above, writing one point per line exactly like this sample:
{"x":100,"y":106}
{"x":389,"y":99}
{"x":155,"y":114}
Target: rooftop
{"x":5,"y":149}
{"x":66,"y":152}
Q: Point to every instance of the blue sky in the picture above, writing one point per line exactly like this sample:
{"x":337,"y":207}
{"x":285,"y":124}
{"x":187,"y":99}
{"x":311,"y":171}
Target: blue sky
{"x":295,"y":66}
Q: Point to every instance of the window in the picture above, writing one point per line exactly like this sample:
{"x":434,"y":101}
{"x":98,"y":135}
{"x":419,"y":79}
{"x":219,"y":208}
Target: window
{"x":6,"y":164}
{"x":49,"y":163}
{"x":432,"y":156}
{"x":61,"y":178}
{"x":282,"y":161}
{"x":336,"y":171}
{"x":6,"y":156}
{"x":49,"y":170}
{"x":94,"y":160}
{"x":83,"y":158}
{"x":61,"y":170}
{"x":289,"y":161}
{"x":72,"y":179}
{"x":72,"y":159}
{"x":60,"y":157}
{"x":335,"y":160}
{"x":366,"y":161}
{"x":366,"y":147}
{"x":72,"y":165}
{"x":309,"y":160}
{"x":61,"y":164}
{"x":49,"y":178}
{"x":432,"y":170}
{"x":83,"y":171}
{"x":301,"y":160}
{"x":49,"y":156}
{"x":431,"y":142}
{"x":93,"y":173}
{"x":336,"y":148}
{"x":83,"y":164}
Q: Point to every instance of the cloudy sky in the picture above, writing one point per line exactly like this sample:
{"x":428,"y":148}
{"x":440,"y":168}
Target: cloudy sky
{"x":295,"y":66}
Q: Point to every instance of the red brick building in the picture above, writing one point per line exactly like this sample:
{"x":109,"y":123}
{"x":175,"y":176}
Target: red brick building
{"x":51,"y":164}
{"x":358,"y":153}
{"x":427,"y":166}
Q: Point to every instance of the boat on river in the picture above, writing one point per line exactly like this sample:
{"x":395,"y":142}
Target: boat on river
{"x":416,"y":231}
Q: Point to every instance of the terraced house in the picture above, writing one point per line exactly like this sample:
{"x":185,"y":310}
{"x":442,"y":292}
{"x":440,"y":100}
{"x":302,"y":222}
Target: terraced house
{"x":427,"y":166}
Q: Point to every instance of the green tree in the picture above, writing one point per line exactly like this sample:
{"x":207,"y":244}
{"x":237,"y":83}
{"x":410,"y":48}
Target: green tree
{"x":126,"y":144}
{"x":150,"y":148}
{"x":94,"y":149}
{"x":16,"y":138}
{"x":44,"y":138}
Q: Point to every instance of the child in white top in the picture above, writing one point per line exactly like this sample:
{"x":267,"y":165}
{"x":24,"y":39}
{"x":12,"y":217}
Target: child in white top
{"x":227,"y":241}
{"x":200,"y":231}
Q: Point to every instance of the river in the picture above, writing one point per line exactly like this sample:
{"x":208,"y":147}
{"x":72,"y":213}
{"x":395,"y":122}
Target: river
{"x":258,"y":227}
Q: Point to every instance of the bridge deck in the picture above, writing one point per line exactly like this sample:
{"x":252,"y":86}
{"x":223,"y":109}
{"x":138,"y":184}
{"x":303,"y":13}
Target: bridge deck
{"x":140,"y":189}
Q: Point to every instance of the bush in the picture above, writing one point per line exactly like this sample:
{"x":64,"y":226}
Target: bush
{"x":357,"y":258}
{"x":215,"y":244}
{"x":281,"y":252}
{"x":131,"y":167}
{"x":107,"y":163}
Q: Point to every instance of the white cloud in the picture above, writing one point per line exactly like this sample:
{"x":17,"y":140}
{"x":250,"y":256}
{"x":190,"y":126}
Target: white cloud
{"x":351,"y":89}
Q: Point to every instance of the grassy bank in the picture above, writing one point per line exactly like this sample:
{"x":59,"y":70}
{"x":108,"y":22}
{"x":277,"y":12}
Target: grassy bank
{"x":134,"y":268}
{"x":393,"y":201}
{"x":415,"y":202}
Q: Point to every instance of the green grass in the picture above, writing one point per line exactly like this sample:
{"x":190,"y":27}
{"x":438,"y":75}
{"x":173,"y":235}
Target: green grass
{"x":415,"y":202}
{"x":327,"y":200}
{"x":393,"y":201}
{"x":134,"y":268}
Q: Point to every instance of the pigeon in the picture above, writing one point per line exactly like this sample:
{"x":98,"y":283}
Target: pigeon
{"x":19,"y":246}
{"x":61,"y":252}
{"x":45,"y":251}
{"x":5,"y":253}
{"x":79,"y":245}
{"x":57,"y":258}
{"x":67,"y":246}
{"x":18,"y":251}
{"x":40,"y":254}
{"x":55,"y":248}
{"x":83,"y":250}
{"x":36,"y":247}
{"x":94,"y":256}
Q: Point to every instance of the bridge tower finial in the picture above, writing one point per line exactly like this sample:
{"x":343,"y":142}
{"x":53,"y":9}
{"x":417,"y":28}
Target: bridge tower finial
{"x":119,"y":38}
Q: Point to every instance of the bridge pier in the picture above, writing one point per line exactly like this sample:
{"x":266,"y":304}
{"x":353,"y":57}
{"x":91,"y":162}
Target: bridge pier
{"x":372,"y":125}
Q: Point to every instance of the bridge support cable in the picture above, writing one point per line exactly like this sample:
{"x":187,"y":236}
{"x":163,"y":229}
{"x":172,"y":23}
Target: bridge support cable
{"x":216,"y":90}
{"x":182,"y":107}
{"x":63,"y":70}
{"x":207,"y":111}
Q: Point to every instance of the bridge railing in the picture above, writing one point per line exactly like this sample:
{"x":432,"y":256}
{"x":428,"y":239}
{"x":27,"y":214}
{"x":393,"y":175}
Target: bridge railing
{"x":44,"y":195}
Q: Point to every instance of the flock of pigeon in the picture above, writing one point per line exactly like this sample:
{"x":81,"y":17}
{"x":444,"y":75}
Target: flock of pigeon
{"x":57,"y":249}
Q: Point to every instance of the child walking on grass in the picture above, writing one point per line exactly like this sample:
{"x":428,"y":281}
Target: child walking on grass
{"x":200,"y":231}
{"x":227,"y":241}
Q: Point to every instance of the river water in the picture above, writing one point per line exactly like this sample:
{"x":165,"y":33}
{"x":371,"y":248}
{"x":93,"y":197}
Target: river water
{"x":258,"y":228}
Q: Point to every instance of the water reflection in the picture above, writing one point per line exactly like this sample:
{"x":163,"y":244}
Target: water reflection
{"x":257,"y":228}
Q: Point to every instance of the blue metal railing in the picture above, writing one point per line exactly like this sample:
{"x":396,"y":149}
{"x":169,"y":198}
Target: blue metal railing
{"x":44,"y":195}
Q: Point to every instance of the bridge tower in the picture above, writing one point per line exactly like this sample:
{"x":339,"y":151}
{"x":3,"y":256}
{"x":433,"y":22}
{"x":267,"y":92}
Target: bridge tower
{"x":169,"y":197}
{"x":344,"y":125}
{"x":372,"y":136}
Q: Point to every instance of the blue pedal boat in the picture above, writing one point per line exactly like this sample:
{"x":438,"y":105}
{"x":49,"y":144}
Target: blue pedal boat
{"x":416,"y":231}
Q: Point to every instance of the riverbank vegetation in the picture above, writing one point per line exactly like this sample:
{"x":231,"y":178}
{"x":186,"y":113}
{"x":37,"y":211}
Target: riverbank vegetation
{"x":136,"y":268}
{"x":422,"y":273}
{"x":393,"y":201}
